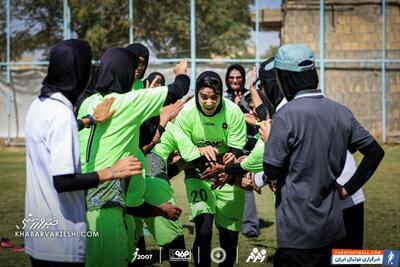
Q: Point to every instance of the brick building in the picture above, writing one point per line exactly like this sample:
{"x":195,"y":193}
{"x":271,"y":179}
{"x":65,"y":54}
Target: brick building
{"x":353,"y":30}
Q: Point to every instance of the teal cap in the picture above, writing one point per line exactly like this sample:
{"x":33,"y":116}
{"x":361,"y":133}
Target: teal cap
{"x":288,"y":57}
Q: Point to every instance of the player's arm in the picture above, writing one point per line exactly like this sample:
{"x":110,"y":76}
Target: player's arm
{"x":362,"y":141}
{"x":236,"y":136}
{"x":276,"y":152}
{"x":373,"y":155}
{"x":123,"y":168}
{"x":253,"y":90}
{"x":180,"y":87}
{"x":146,"y":210}
{"x":101,"y":114}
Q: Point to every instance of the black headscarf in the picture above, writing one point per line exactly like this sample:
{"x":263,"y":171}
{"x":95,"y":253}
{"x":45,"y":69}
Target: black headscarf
{"x":245,"y":101}
{"x":209,"y":79}
{"x":240,"y":68}
{"x":69,"y":69}
{"x":139,"y":50}
{"x":292,"y":82}
{"x":116,"y":72}
{"x":153,"y":75}
{"x":271,"y":88}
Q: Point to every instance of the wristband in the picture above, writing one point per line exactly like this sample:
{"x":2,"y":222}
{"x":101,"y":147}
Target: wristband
{"x":161,"y":129}
{"x":112,"y":173}
{"x":91,"y":119}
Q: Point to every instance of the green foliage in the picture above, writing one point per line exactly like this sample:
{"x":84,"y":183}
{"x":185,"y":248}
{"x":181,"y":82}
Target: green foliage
{"x":37,"y":25}
{"x":103,"y":23}
{"x":222,"y":27}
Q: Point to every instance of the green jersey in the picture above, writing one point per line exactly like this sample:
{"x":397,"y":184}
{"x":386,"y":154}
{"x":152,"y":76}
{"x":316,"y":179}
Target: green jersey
{"x":172,"y":139}
{"x":175,"y":139}
{"x":254,"y":161}
{"x":138,"y":84}
{"x":104,"y":144}
{"x":223,"y":130}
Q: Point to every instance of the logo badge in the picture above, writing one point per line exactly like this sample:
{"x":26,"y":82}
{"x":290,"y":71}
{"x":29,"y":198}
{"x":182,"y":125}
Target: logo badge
{"x":218,"y":255}
{"x":391,"y":257}
{"x":257,"y":255}
{"x":179,"y":255}
{"x":137,"y":256}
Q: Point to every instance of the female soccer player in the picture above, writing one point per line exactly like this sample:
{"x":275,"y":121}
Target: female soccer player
{"x":54,"y":185}
{"x":114,"y":139}
{"x":209,"y":119}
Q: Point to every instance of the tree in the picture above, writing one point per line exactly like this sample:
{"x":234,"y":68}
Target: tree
{"x":222,"y":27}
{"x":36,"y":25}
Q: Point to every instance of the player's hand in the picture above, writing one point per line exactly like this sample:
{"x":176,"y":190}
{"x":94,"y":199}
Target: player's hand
{"x":181,"y":67}
{"x":238,"y":96}
{"x":265,"y":128}
{"x":273,"y":185}
{"x":154,"y":83}
{"x":241,"y":158}
{"x":127,"y":167}
{"x":209,"y":152}
{"x":169,"y":112}
{"x":122,"y":169}
{"x":102,"y":111}
{"x":245,"y":182}
{"x":250,"y":119}
{"x":170,"y":211}
{"x":228,"y":158}
{"x":248,"y":183}
{"x":213,"y":170}
{"x":222,"y":179}
{"x":252,"y":85}
{"x":342,"y":191}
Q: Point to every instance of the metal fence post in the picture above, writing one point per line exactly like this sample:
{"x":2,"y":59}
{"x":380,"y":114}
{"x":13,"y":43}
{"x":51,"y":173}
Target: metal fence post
{"x":322,"y":44}
{"x":193,"y":41}
{"x":383,"y":73}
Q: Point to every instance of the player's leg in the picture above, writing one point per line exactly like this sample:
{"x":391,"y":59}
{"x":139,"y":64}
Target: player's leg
{"x":353,"y":218}
{"x":228,"y":218}
{"x":228,"y":240}
{"x":177,"y":243}
{"x":202,"y":203}
{"x":251,"y":224}
{"x":109,"y":248}
{"x":166,"y":233}
{"x":202,"y":242}
{"x":134,"y":229}
{"x":134,"y":225}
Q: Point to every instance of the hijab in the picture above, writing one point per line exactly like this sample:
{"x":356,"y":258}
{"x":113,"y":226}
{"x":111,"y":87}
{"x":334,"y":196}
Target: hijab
{"x":115,"y":73}
{"x":140,"y":50}
{"x":242,"y":73}
{"x":69,"y":69}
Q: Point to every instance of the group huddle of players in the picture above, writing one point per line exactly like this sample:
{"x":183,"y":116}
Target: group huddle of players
{"x":190,"y":135}
{"x":114,"y":175}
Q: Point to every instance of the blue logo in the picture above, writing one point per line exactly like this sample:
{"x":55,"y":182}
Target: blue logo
{"x":391,"y":257}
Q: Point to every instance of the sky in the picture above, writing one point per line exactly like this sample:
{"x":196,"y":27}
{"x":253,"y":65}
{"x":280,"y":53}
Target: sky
{"x":266,"y":39}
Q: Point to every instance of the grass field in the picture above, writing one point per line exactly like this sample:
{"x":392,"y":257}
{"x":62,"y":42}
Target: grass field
{"x":382,"y":214}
